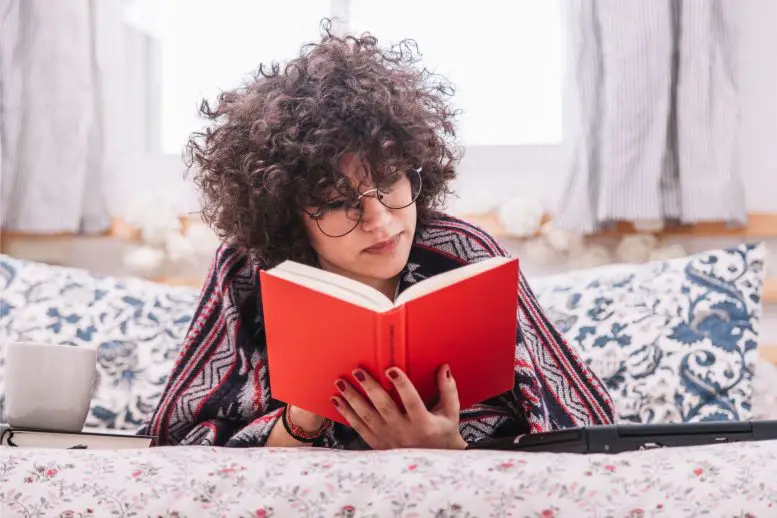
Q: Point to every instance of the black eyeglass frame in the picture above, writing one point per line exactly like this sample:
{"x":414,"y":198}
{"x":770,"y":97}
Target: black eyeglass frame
{"x":374,"y":192}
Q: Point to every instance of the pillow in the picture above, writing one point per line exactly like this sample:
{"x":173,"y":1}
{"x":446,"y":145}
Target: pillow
{"x":137,"y":327}
{"x":675,"y":340}
{"x":764,"y":390}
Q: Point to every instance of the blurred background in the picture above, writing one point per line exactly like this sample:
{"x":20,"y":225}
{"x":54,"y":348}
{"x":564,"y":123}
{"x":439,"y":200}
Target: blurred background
{"x":595,"y":132}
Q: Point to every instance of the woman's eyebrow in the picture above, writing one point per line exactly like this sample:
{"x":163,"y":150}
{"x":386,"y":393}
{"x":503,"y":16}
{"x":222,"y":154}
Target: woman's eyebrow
{"x":336,"y":193}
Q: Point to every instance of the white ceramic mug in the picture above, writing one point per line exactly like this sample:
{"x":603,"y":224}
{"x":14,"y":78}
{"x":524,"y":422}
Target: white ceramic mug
{"x":48,"y":386}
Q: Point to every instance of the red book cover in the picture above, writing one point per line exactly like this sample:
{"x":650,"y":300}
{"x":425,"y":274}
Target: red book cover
{"x":315,"y":337}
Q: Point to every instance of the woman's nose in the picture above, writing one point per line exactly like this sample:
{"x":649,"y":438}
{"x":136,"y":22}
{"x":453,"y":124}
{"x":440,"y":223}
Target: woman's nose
{"x":375,"y":214}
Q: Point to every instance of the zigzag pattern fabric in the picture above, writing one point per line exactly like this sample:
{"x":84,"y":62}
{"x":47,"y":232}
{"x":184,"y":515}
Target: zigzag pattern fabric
{"x":218,"y":392}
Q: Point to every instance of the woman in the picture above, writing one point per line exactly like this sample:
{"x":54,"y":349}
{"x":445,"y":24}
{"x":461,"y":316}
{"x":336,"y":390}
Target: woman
{"x":340,"y":160}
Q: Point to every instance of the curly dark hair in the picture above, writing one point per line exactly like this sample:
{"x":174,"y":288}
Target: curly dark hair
{"x":276,"y":143}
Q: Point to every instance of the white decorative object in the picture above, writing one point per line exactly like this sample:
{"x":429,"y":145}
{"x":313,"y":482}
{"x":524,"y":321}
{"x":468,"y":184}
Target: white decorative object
{"x":162,"y":242}
{"x":522,"y":217}
{"x":144,"y":260}
{"x":157,"y":231}
{"x":592,"y":256}
{"x":179,"y":248}
{"x":155,"y":216}
{"x":142,"y":211}
{"x":202,"y":238}
{"x":562,"y":240}
{"x":538,"y":251}
{"x":636,"y":248}
{"x":475,"y":202}
{"x":674,"y":251}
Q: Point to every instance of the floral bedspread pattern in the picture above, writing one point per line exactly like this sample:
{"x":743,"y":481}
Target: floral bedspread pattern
{"x":135,"y":325}
{"x":733,"y":480}
{"x":674,"y":341}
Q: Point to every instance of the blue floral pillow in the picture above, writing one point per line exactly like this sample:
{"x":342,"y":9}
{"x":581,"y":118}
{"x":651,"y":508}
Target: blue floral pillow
{"x":675,"y":341}
{"x":136,"y":326}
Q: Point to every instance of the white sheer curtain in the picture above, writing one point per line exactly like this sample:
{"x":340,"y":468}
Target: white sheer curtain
{"x":59,"y":113}
{"x":656,"y":100}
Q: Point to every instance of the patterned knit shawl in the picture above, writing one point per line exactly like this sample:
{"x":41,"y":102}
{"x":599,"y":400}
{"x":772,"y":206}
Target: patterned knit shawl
{"x":219,"y":391}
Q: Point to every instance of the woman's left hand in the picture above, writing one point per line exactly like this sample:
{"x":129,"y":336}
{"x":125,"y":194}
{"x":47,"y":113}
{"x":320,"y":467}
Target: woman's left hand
{"x":383,"y":425}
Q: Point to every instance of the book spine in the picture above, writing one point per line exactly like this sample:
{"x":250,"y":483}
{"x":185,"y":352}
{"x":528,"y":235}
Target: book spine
{"x":5,"y":435}
{"x":391,"y":340}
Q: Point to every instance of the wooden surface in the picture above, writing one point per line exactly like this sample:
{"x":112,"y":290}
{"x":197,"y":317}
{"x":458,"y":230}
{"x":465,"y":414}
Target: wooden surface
{"x":760,"y":225}
{"x":770,"y":291}
{"x":769,"y":353}
{"x":119,"y":229}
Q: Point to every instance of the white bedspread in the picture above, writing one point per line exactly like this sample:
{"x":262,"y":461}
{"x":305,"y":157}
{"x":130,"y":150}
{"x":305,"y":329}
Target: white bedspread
{"x":725,"y":480}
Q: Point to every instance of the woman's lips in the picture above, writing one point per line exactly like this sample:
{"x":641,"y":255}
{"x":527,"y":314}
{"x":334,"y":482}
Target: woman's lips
{"x":384,"y":247}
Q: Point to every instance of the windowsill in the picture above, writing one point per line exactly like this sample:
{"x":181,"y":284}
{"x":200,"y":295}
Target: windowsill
{"x":494,"y":172}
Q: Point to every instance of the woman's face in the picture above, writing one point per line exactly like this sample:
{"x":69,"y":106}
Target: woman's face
{"x":377,"y":248}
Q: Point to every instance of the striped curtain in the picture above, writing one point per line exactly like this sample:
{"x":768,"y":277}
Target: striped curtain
{"x":653,"y":112}
{"x":58,"y":134}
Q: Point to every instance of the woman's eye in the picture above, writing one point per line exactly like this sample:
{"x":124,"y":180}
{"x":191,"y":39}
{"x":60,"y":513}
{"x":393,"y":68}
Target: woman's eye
{"x":337,"y":205}
{"x":390,"y":182}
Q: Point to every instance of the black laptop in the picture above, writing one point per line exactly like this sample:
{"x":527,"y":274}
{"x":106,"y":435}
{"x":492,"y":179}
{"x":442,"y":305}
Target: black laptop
{"x":620,"y":438}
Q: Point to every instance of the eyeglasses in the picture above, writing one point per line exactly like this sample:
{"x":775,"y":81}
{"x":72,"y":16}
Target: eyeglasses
{"x":339,"y":217}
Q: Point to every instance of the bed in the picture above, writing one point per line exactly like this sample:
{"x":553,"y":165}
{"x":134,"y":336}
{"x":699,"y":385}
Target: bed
{"x":653,"y":332}
{"x":722,"y":480}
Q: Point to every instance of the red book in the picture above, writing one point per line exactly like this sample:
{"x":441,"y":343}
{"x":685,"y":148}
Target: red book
{"x":320,"y":326}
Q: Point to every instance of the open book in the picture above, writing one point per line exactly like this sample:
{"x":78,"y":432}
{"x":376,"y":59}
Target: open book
{"x":320,"y":326}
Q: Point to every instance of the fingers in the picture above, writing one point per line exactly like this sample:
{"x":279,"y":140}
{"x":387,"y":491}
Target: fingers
{"x":355,"y":421}
{"x":377,"y":419}
{"x":449,"y":394}
{"x":411,"y":400}
{"x":379,"y":400}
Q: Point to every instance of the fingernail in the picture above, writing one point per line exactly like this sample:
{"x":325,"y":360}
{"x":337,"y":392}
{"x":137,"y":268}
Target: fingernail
{"x":359,"y":375}
{"x":340,"y":385}
{"x":392,"y":373}
{"x":335,"y":402}
{"x":448,"y":372}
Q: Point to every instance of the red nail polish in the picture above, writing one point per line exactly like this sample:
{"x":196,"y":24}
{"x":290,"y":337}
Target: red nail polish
{"x":448,"y":373}
{"x":340,"y":385}
{"x":335,"y":402}
{"x":393,"y":374}
{"x":359,"y":375}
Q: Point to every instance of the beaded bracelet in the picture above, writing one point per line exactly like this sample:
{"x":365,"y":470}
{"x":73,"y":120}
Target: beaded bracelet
{"x":299,"y":434}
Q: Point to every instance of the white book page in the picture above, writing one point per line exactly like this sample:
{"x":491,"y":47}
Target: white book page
{"x":443,"y":280}
{"x":28,"y":439}
{"x":332,"y":284}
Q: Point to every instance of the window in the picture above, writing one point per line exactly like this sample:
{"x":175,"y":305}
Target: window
{"x":207,"y":46}
{"x":505,"y":59}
